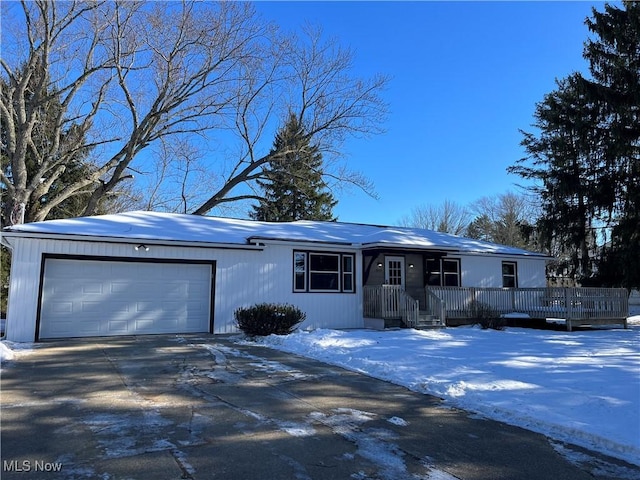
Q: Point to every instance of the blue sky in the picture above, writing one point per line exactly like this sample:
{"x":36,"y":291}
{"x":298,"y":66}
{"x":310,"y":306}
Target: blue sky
{"x":465,"y":77}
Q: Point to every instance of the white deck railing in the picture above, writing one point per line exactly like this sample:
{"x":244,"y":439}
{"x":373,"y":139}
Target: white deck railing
{"x":435,"y":306}
{"x":390,"y":301}
{"x":575,"y":305}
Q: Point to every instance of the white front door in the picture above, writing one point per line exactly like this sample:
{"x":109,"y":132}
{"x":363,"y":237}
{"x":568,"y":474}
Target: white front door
{"x":394,"y":271}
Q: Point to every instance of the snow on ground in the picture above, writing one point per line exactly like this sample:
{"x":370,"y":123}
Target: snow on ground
{"x":581,"y":387}
{"x":5,"y":352}
{"x":10,"y":350}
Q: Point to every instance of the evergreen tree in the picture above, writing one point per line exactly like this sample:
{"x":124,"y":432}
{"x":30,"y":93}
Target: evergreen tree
{"x":585,"y":156}
{"x":481,"y":228}
{"x":293,"y":187}
{"x":562,"y":162}
{"x":614,"y":60}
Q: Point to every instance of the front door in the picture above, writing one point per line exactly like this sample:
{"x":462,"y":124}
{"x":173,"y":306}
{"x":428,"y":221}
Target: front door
{"x":394,"y":271}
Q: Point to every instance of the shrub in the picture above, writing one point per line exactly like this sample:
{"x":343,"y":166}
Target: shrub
{"x":486,"y":316}
{"x":268,"y":318}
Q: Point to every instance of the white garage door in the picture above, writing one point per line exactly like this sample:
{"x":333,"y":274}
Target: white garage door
{"x":82,"y":298}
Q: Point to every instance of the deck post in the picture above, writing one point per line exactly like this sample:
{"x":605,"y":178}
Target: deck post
{"x":568,"y":304}
{"x":443,"y":313}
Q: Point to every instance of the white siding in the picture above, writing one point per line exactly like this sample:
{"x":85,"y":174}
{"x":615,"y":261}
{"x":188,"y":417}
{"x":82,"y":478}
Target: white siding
{"x":486,"y":271}
{"x":243,"y":277}
{"x":531,"y":272}
{"x":23,"y":290}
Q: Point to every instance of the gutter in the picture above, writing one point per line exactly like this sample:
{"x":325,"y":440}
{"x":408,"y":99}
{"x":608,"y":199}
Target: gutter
{"x":285,"y":241}
{"x":130,"y":241}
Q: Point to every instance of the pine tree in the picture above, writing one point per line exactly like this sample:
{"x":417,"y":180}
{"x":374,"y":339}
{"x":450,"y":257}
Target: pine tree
{"x":614,"y":60}
{"x":562,"y":158}
{"x":586,"y":155}
{"x":293,"y":186}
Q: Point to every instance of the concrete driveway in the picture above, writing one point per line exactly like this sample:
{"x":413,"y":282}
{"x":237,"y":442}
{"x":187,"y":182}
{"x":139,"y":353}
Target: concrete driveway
{"x":203,"y":407}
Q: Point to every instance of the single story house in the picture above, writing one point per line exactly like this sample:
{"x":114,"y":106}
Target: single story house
{"x":146,"y":272}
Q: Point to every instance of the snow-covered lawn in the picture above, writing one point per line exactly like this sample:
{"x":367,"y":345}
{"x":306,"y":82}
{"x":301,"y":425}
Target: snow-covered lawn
{"x":581,"y":387}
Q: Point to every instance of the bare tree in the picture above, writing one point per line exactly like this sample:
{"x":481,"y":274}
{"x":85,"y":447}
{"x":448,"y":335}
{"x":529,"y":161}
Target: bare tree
{"x":177,"y":179}
{"x":128,"y":75}
{"x":504,"y":219}
{"x":309,"y":78}
{"x":448,"y":217}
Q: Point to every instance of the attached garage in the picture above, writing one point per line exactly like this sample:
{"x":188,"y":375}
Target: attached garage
{"x":102,"y":297}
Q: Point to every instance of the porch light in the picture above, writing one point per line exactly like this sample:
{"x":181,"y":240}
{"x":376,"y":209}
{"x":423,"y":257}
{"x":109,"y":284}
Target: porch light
{"x":411,"y":265}
{"x":379,"y":264}
{"x":141,"y":247}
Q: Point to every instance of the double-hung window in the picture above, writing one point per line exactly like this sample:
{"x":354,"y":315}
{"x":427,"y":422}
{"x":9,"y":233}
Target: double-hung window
{"x":443,"y":272}
{"x":323,"y":272}
{"x":509,"y":275}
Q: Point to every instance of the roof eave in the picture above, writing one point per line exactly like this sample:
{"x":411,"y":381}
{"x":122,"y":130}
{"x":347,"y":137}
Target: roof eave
{"x":442,"y":248}
{"x":274,"y":240}
{"x":405,"y":246}
{"x":131,"y":240}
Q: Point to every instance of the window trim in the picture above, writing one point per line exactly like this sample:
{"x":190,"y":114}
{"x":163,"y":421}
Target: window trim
{"x":514,"y":275}
{"x":342,"y":273}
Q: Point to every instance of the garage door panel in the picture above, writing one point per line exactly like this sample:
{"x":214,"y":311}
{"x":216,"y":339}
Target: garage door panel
{"x":91,"y":308}
{"x":86,"y":269}
{"x":93,"y":288}
{"x":117,"y":287}
{"x":62,"y":308}
{"x":117,"y":325}
{"x":90,"y":297}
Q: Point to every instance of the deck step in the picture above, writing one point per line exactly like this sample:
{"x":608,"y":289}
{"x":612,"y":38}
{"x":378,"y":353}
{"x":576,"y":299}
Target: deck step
{"x":428,"y":321}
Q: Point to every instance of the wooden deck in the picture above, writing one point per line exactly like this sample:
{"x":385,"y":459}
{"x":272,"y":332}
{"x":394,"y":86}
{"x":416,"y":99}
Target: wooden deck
{"x":573,"y":306}
{"x":576,"y":306}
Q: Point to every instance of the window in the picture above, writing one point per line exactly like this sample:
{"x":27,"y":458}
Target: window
{"x":433,"y":272}
{"x":299,"y":272}
{"x":451,"y":272}
{"x":443,"y":272}
{"x":509,"y":275}
{"x":348,"y":284}
{"x":323,"y":272}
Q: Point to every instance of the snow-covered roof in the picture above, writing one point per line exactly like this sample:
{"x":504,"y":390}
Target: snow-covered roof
{"x":155,"y":226}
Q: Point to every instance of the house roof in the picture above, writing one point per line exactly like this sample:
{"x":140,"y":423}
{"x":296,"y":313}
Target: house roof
{"x":155,"y":226}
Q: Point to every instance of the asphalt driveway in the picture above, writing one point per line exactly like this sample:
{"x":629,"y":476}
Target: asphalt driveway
{"x":204,"y":407}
